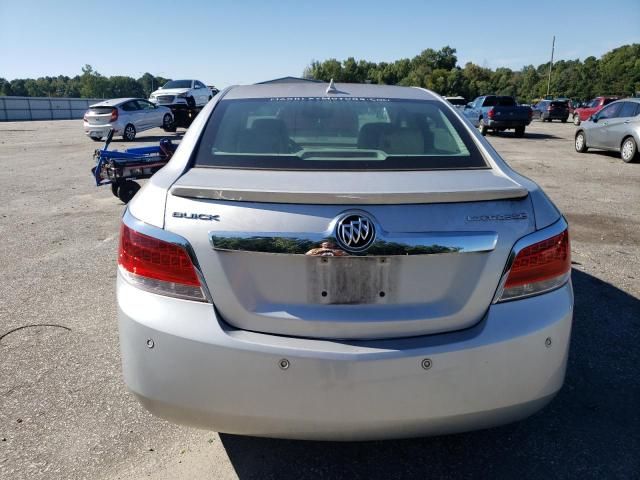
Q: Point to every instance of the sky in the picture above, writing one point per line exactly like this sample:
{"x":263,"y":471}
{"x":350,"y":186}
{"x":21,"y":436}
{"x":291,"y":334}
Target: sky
{"x":234,"y":42}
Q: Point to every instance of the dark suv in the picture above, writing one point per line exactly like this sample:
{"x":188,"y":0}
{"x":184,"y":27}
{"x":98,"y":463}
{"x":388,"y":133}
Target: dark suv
{"x":549,"y":110}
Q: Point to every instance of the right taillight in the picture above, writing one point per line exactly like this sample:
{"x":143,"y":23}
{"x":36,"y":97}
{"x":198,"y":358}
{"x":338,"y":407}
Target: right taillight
{"x":158,"y":266}
{"x":491,"y":113}
{"x":114,"y":115}
{"x":538,"y":268}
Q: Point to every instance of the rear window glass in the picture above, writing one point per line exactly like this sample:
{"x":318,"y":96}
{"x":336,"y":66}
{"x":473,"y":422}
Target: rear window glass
{"x":101,"y":110}
{"x":336,"y":133}
{"x":499,"y":102}
{"x":561,"y":104}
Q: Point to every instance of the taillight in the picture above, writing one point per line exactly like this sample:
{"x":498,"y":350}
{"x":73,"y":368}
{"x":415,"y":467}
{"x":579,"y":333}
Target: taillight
{"x":158,"y":266}
{"x":538,"y":268}
{"x":549,"y":108}
{"x":85,"y":118}
{"x":491,"y":113}
{"x":114,"y":115}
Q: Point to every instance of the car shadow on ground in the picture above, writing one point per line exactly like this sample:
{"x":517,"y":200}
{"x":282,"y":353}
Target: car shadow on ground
{"x":531,"y":136}
{"x":590,"y":430}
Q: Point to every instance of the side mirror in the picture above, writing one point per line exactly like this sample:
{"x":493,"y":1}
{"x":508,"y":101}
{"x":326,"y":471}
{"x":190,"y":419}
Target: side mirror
{"x":594,"y":118}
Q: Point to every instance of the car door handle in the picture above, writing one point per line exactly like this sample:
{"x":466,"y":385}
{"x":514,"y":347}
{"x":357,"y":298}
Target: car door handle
{"x":627,"y":121}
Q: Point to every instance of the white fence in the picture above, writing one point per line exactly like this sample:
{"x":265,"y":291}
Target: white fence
{"x":43,"y":108}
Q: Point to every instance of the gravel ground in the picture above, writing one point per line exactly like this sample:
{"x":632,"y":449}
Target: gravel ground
{"x":65,"y":413}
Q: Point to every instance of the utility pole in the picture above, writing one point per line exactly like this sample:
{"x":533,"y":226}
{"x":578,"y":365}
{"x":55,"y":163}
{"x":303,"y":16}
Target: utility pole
{"x":553,"y":46}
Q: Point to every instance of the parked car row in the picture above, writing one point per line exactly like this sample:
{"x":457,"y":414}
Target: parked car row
{"x":606,"y":122}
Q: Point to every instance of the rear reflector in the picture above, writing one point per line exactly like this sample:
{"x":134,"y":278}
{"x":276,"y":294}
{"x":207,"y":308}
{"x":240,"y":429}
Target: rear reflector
{"x":158,"y":266}
{"x":538,"y":268}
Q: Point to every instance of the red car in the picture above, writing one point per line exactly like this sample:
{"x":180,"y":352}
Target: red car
{"x":583,"y":113}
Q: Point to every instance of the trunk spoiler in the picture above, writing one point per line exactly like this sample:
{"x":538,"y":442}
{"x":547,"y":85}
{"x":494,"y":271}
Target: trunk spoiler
{"x":346,"y":188}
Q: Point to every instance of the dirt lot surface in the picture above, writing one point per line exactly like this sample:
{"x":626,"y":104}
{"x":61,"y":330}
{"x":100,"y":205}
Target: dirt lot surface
{"x":66,"y":414}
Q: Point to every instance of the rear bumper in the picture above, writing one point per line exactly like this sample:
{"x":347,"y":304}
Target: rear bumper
{"x":555,"y":116}
{"x":102,"y":130}
{"x":507,"y":123}
{"x":202,"y":374}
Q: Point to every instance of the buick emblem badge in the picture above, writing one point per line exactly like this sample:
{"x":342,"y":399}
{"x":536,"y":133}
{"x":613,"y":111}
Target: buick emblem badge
{"x":355,"y":232}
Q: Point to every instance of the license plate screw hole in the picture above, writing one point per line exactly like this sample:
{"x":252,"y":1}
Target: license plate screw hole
{"x":382,"y":294}
{"x":283,"y":364}
{"x":324,"y":293}
{"x":150,"y":343}
{"x":548,"y":342}
{"x":426,"y":363}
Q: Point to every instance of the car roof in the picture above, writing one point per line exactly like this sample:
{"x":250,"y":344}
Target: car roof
{"x":629,"y":99}
{"x":114,"y":102}
{"x":320,"y":90}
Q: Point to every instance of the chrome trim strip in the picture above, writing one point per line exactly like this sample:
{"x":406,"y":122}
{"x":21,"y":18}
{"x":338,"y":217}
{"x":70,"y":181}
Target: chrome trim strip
{"x":132,"y":222}
{"x":554,"y":229}
{"x":325,"y":244}
{"x":338,"y":198}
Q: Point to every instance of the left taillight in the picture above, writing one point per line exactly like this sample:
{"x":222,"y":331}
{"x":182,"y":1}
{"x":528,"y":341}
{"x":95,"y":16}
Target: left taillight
{"x":158,"y":266}
{"x":537,"y":268}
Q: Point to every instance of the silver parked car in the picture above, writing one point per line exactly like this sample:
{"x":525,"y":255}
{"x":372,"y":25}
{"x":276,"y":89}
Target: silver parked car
{"x":616,"y":127}
{"x":341,"y":262}
{"x":127,"y":116}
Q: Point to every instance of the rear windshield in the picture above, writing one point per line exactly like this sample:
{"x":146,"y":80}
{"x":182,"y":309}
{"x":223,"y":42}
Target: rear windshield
{"x":336,"y":133}
{"x":499,"y":102}
{"x":101,"y":110}
{"x":560,"y":104}
{"x":178,"y":84}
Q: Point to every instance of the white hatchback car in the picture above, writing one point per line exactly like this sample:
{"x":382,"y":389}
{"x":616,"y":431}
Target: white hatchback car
{"x":192,"y":93}
{"x":127,"y":116}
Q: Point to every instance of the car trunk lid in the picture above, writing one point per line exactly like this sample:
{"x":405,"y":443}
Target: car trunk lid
{"x":99,"y":115}
{"x":267,"y":250}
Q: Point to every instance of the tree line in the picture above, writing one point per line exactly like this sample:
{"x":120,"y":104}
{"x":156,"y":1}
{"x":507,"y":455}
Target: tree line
{"x":91,"y":84}
{"x":617,"y":72}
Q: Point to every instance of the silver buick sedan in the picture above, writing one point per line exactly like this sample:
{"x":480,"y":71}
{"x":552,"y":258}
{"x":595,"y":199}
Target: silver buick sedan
{"x":342,"y":262}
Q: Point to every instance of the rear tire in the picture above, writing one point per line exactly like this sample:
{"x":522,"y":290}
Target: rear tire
{"x":114,"y":188}
{"x":581,"y":142}
{"x":96,"y":139}
{"x":576,"y":119}
{"x":482,"y":127}
{"x":129,"y":133}
{"x":629,"y":150}
{"x":519,"y":132}
{"x":128,"y":190}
